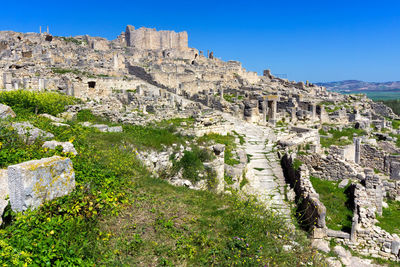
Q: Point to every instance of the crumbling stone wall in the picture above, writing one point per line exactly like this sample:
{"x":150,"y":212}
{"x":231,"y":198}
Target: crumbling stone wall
{"x":366,"y":237}
{"x":312,"y":210}
{"x":375,"y":158}
{"x":145,"y":38}
{"x":372,"y":157}
{"x":328,"y":167}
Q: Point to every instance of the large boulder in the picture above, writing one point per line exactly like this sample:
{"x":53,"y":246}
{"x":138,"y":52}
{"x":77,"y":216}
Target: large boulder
{"x":33,"y":182}
{"x":30,"y":133}
{"x":6,"y":112}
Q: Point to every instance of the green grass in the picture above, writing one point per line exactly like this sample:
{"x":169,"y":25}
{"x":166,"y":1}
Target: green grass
{"x":229,"y":142}
{"x":390,"y":218}
{"x":296,"y":164}
{"x":336,"y":135}
{"x":338,"y":209}
{"x":119,"y":215}
{"x":78,"y":72}
{"x":73,"y":40}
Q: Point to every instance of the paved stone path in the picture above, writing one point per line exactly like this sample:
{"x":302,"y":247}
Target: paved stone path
{"x":264,"y":172}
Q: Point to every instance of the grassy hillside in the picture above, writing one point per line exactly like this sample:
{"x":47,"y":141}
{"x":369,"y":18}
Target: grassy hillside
{"x":119,"y":215}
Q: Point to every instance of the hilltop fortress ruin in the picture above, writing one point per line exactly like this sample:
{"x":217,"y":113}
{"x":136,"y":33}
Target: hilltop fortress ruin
{"x":148,"y":75}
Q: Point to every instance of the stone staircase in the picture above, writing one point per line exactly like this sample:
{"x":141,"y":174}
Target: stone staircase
{"x":264,"y":172}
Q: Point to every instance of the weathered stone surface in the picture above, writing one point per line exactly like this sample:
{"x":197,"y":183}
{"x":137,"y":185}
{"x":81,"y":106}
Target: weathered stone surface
{"x":34,"y":182}
{"x":218,"y":149}
{"x":115,"y":129}
{"x":337,"y":234}
{"x":321,"y":244}
{"x":6,"y":112}
{"x":30,"y":133}
{"x":68,"y":147}
{"x":319,"y":233}
{"x":145,"y":38}
{"x":3,"y":192}
{"x":50,"y":117}
{"x":343,"y":183}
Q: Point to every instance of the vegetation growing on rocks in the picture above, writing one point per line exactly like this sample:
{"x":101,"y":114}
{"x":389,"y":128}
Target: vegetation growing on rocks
{"x":118,"y":214}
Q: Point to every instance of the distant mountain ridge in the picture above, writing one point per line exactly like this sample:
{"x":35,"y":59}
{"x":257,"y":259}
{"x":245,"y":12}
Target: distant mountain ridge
{"x":354,"y":86}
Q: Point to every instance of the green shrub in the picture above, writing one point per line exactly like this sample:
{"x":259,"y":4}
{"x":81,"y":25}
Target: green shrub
{"x":35,"y":102}
{"x":191,"y":163}
{"x":296,"y":164}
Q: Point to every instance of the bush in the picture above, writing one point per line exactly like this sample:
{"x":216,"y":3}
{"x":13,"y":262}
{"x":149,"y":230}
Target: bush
{"x":192,"y":163}
{"x":36,"y":102}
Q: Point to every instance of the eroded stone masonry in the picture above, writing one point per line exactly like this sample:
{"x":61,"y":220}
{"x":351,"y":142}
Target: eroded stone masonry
{"x":145,"y":75}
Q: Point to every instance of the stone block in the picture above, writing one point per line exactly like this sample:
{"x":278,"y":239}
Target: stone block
{"x":30,"y":133}
{"x":337,"y":234}
{"x":115,"y":129}
{"x":395,"y":247}
{"x":68,"y":147}
{"x":319,"y":233}
{"x":33,"y":182}
{"x":3,"y":192}
{"x":6,"y":112}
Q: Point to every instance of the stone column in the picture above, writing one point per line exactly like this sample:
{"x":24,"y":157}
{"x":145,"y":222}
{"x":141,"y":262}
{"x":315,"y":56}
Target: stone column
{"x":139,"y":90}
{"x":222,"y":94}
{"x":357,"y":144}
{"x":272,"y":112}
{"x":313,"y":107}
{"x":41,"y":84}
{"x":207,"y":100}
{"x":172,"y":101}
{"x":293,"y":114}
{"x":264,"y":111}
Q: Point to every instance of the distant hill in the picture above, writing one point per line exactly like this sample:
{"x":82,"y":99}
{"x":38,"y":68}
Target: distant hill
{"x":374,"y":90}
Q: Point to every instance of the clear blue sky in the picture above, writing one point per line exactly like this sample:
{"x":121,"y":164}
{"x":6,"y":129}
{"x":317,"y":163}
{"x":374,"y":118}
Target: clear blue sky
{"x":307,"y":40}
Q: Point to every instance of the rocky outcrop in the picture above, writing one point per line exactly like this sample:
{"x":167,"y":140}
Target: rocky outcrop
{"x":30,"y":133}
{"x":67,"y":147}
{"x":6,"y":112}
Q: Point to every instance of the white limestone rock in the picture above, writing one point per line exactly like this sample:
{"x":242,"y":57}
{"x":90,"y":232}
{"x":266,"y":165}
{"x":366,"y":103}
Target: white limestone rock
{"x":343,"y":183}
{"x":116,"y":129}
{"x":30,"y":133}
{"x":68,"y":147}
{"x":3,"y":192}
{"x":59,"y":124}
{"x":6,"y":112}
{"x":101,"y":127}
{"x":321,"y":244}
{"x":50,"y":117}
{"x":68,"y":116}
{"x":33,"y":182}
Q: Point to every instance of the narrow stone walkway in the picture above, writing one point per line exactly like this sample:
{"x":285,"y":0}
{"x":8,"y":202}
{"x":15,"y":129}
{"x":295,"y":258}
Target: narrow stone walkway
{"x":264,"y":172}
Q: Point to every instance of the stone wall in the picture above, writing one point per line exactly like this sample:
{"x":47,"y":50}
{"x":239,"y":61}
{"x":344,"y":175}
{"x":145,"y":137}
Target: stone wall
{"x":145,"y":38}
{"x":329,"y":167}
{"x":366,"y":237}
{"x":312,"y":211}
{"x":375,"y":158}
{"x":372,"y":157}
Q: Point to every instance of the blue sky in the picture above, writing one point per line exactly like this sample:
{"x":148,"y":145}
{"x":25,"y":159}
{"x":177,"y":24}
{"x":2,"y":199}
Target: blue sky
{"x":306,"y":40}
